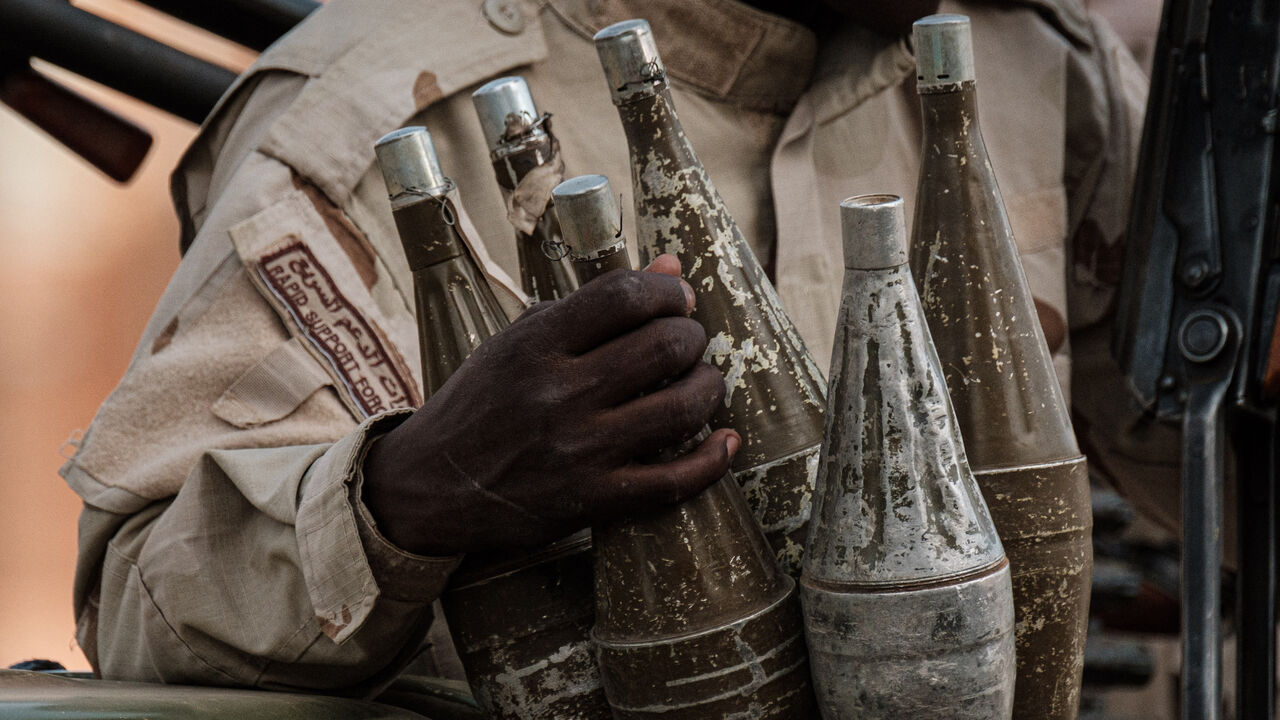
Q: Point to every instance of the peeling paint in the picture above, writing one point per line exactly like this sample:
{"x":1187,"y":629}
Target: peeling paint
{"x":752,"y":341}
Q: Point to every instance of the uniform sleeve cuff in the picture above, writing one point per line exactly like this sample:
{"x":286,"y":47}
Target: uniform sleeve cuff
{"x":336,"y":568}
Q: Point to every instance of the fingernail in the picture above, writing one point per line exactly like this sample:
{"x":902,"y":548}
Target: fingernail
{"x":690,"y":300}
{"x":732,"y":443}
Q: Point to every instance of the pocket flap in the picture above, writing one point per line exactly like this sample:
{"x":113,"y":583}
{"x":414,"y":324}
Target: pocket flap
{"x":273,"y":388}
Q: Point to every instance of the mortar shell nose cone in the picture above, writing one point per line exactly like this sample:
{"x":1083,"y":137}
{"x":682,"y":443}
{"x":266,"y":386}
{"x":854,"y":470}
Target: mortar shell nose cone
{"x":875,"y":232}
{"x":628,"y":53}
{"x":408,"y":161}
{"x":944,"y":51}
{"x":588,"y":212}
{"x":498,"y":100}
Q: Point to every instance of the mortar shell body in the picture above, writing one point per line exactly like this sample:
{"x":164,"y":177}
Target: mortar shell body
{"x":774,"y":391}
{"x":522,"y":628}
{"x":456,"y":308}
{"x":1043,"y":513}
{"x":906,"y":591}
{"x":1010,"y":406}
{"x":755,"y":667}
{"x":918,"y":653}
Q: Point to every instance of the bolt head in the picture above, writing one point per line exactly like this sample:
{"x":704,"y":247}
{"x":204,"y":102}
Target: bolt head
{"x":1203,"y":335}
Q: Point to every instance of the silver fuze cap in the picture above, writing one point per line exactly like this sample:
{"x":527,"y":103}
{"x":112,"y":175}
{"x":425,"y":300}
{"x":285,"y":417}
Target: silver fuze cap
{"x":408,"y":161}
{"x":628,"y":53}
{"x":944,"y":51}
{"x":875,"y":232}
{"x":498,"y":99}
{"x":588,"y":214}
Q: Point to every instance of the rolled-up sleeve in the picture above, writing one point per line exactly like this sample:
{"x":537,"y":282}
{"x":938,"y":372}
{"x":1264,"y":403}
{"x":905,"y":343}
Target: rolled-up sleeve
{"x":255,"y":574}
{"x":223,"y":540}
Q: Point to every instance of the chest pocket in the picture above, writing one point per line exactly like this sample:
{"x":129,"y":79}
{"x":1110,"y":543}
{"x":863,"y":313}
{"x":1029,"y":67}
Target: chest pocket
{"x":323,"y":291}
{"x":273,"y":388}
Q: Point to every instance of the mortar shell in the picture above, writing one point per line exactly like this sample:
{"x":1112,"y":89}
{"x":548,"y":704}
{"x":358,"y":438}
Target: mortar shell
{"x":1009,"y":402}
{"x":527,"y":164}
{"x":900,"y":536}
{"x":774,"y":391}
{"x":521,"y":622}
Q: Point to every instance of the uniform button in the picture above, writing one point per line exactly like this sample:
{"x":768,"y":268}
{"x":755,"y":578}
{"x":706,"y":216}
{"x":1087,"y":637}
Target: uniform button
{"x":504,"y":15}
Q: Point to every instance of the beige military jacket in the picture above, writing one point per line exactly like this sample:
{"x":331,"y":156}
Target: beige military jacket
{"x":222,"y":539}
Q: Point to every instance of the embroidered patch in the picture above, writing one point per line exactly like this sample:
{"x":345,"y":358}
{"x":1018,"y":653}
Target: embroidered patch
{"x":336,"y":328}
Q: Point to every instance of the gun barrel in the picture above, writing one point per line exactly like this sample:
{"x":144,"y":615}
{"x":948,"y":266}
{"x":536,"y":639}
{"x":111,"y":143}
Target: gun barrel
{"x":114,"y":56}
{"x":252,"y":23}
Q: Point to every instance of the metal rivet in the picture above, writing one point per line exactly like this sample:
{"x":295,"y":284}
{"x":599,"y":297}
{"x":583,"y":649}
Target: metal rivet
{"x":1203,"y":335}
{"x":505,"y":16}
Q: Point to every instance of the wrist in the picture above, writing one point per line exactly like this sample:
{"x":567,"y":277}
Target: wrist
{"x":387,"y":489}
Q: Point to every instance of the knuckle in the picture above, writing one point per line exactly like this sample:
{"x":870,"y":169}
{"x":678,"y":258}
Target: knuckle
{"x":549,"y":397}
{"x":624,"y":290}
{"x":669,"y":352}
{"x":679,"y":344}
{"x":688,"y":413}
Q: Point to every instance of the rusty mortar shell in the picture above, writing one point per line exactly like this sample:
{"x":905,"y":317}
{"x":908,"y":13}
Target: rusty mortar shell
{"x":521,"y":620}
{"x":1007,"y":398}
{"x":907,"y":600}
{"x":694,"y":619}
{"x":527,"y":164}
{"x":592,"y":226}
{"x":775,"y":393}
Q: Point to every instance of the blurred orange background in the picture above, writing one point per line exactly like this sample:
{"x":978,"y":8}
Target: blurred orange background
{"x":83,"y":261}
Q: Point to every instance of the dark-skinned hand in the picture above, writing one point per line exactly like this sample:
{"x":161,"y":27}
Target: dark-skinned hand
{"x":538,"y":433}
